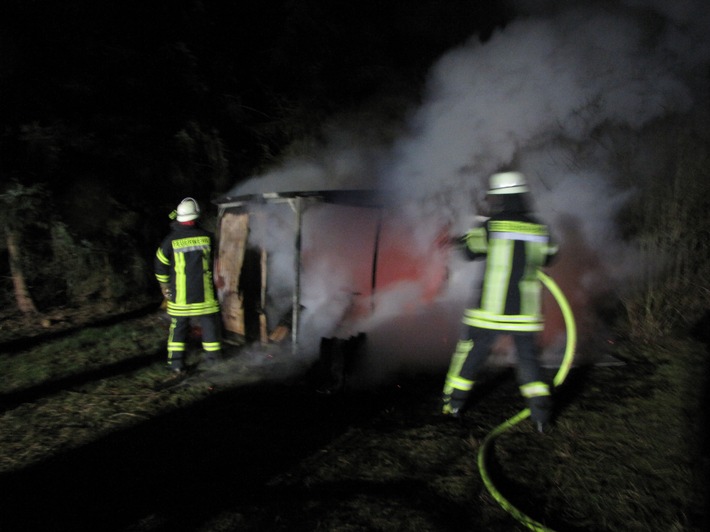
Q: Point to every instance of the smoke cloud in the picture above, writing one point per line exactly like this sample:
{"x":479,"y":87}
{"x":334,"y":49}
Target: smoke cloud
{"x":558,"y":93}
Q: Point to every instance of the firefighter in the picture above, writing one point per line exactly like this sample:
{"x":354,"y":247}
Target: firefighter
{"x":183,"y":267}
{"x":515,"y":245}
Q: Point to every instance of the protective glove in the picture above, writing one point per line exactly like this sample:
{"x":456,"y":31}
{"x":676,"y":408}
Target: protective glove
{"x":165,"y":289}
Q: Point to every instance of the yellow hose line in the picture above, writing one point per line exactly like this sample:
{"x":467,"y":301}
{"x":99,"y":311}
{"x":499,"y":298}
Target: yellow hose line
{"x":570,"y":326}
{"x":559,"y":378}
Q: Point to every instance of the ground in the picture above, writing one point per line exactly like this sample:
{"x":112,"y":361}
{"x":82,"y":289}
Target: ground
{"x":18,"y":329}
{"x":114,"y":446}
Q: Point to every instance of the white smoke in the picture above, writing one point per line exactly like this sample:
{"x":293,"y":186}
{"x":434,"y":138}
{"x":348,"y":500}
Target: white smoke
{"x":538,"y":84}
{"x":558,"y":94}
{"x":272,"y":228}
{"x":348,"y":159}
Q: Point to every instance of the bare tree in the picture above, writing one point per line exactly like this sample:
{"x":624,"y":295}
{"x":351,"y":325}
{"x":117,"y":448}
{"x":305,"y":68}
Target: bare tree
{"x":17,"y":204}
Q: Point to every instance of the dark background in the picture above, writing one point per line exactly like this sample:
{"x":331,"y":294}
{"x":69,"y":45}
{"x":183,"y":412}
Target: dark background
{"x":112,"y":112}
{"x":114,"y":83}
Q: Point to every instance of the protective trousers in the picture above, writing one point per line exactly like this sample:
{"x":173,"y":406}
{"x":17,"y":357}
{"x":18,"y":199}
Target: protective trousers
{"x":472,"y":351}
{"x":177,"y":339}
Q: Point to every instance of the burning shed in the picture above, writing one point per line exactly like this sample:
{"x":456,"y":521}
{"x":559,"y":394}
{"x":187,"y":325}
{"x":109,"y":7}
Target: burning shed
{"x":298,"y":267}
{"x":311,"y":271}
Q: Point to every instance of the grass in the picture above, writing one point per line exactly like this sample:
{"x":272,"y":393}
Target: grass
{"x":625,"y":453}
{"x":628,"y":446}
{"x":68,"y":391}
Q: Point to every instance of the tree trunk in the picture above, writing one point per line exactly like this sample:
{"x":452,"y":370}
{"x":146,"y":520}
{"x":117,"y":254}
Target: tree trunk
{"x":22,"y":295}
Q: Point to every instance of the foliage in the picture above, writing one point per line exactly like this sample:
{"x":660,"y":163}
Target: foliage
{"x":671,"y":227}
{"x":21,"y":217}
{"x":201,"y":158}
{"x":61,"y":269}
{"x":160,"y":103}
{"x":22,"y":205}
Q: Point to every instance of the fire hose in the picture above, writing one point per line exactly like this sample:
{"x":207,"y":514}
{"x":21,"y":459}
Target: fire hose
{"x":559,"y":378}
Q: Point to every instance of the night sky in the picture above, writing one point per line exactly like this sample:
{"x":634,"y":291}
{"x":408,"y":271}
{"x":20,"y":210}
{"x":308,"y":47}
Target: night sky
{"x":101,"y":66}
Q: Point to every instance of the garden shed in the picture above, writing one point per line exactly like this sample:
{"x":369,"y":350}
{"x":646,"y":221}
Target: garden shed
{"x":300,"y":266}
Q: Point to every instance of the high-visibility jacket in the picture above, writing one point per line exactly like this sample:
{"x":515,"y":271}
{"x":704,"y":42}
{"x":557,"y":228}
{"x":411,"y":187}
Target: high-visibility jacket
{"x":515,"y":246}
{"x":184,"y":261}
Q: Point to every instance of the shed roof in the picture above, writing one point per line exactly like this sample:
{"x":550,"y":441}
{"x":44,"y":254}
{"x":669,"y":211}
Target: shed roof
{"x":352,"y":197}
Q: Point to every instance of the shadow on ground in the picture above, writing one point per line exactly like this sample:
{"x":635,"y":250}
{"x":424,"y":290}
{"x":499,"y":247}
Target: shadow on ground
{"x":37,"y":392}
{"x":183,"y":468}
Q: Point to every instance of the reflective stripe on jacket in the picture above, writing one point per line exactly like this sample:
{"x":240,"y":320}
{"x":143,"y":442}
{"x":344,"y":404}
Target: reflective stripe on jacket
{"x":515,"y":247}
{"x":184,"y":261}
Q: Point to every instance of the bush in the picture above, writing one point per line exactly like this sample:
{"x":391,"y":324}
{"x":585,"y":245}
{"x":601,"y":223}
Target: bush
{"x":672,"y":231}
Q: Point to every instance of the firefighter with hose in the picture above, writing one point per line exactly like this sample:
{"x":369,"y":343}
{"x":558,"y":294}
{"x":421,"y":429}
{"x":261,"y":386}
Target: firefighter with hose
{"x":183,"y":267}
{"x":515,"y":246}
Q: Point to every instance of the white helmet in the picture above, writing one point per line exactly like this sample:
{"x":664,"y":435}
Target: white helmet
{"x":508,"y":183}
{"x":188,"y":210}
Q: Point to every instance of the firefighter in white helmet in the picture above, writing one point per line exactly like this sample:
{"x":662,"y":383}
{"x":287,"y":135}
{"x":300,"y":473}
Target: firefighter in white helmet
{"x":183,"y":267}
{"x":515,"y":245}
